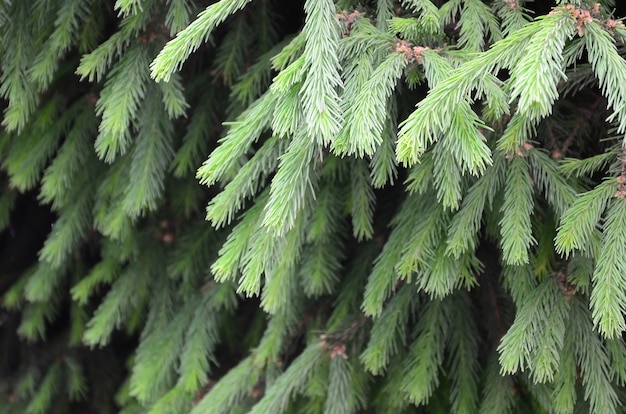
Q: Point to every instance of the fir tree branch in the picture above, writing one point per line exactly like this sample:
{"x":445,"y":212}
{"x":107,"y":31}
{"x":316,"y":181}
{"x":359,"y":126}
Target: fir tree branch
{"x":421,"y":371}
{"x":176,"y":51}
{"x":581,"y":220}
{"x":608,"y":297}
{"x":320,"y":98}
{"x":518,"y":205}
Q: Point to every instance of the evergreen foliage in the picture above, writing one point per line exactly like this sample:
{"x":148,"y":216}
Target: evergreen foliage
{"x":313,"y":206}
